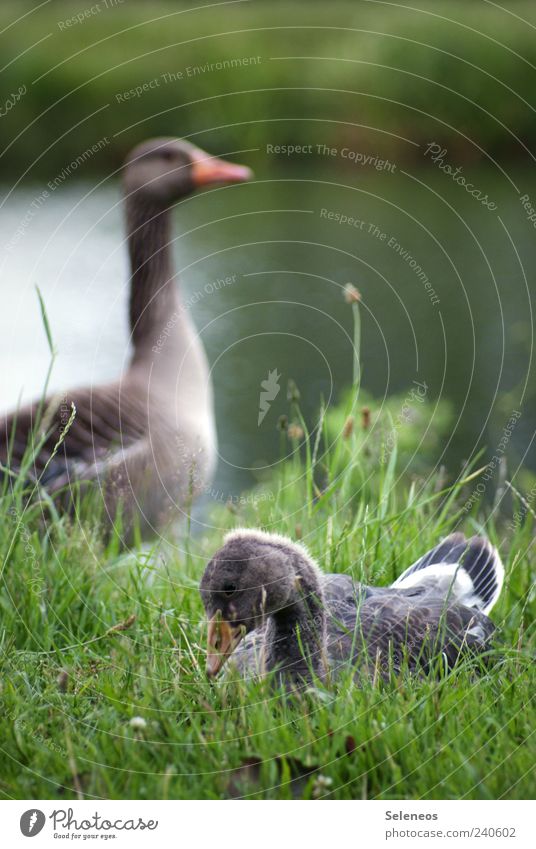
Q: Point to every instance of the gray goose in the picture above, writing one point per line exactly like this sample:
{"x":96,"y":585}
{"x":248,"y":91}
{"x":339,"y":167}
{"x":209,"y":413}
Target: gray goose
{"x":270,"y":606}
{"x":148,"y":439}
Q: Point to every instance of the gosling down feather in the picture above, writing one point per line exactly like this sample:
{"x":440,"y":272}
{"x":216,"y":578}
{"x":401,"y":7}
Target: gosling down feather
{"x":270,"y":607}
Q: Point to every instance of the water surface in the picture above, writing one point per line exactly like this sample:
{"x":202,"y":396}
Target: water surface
{"x":446,"y":286}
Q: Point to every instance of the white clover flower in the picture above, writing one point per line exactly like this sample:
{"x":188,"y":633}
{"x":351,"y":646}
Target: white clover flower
{"x":321,"y":785}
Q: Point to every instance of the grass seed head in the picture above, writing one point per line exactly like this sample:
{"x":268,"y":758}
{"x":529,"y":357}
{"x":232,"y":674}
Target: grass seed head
{"x":351,"y":294}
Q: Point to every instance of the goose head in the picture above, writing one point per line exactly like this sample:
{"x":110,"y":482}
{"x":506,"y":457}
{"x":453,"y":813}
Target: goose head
{"x":253,"y":577}
{"x":163,"y":170}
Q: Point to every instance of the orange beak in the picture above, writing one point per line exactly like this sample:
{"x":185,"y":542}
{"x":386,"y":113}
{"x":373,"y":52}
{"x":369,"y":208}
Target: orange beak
{"x":222,"y":641}
{"x":208,"y":169}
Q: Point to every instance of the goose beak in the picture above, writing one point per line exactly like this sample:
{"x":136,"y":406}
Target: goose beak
{"x":207,"y":170}
{"x":222,"y":641}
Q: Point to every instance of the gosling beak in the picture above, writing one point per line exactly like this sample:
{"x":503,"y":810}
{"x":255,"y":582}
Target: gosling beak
{"x":207,"y":170}
{"x":222,"y":641}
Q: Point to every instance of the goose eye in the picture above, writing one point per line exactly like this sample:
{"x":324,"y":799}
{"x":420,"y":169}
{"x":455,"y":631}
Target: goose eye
{"x":229,"y":590}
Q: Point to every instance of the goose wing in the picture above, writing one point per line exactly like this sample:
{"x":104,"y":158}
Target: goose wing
{"x":107,"y":419}
{"x":401,"y":626}
{"x":397,"y":626}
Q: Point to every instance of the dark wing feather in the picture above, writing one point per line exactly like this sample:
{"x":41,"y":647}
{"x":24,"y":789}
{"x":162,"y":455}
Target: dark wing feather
{"x":449,"y":550}
{"x":106,"y":420}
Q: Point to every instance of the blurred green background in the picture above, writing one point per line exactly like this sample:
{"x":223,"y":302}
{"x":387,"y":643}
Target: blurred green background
{"x":463,"y":73}
{"x":376,"y":79}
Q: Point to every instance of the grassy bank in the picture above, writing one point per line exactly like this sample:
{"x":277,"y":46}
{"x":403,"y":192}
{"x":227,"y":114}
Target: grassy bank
{"x":103,"y":691}
{"x":380,"y":78}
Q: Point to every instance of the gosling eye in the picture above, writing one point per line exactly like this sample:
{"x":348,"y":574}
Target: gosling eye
{"x":228,"y":590}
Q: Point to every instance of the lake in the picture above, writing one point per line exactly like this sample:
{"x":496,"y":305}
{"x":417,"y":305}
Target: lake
{"x":446,"y":286}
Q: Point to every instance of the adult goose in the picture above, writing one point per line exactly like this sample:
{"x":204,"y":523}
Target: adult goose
{"x":148,"y":439}
{"x":270,"y":606}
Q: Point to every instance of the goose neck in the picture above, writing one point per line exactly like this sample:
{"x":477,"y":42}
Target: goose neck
{"x":152,"y":291}
{"x":296,"y":634}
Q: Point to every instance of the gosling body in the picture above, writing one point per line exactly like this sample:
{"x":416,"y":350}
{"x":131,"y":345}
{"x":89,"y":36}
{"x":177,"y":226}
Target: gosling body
{"x":270,"y":607}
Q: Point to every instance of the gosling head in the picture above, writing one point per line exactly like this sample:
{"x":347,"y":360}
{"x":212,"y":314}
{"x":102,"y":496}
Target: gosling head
{"x":253,"y":576}
{"x":166,"y":169}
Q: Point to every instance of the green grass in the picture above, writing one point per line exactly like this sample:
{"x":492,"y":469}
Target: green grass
{"x":92,"y":637}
